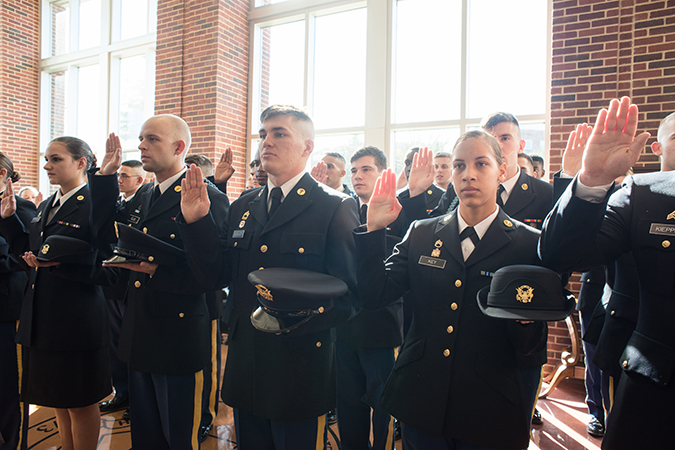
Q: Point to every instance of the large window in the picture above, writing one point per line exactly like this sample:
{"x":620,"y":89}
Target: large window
{"x":402,"y":73}
{"x":98,"y":71}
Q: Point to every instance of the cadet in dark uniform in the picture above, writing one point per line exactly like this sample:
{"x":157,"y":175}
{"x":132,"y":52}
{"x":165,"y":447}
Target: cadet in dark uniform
{"x":587,"y":228}
{"x":456,"y":364}
{"x":13,"y":279}
{"x":63,"y":330}
{"x":280,"y":386}
{"x":432,"y":193}
{"x":366,"y":344}
{"x":521,"y":196}
{"x":167,"y":333}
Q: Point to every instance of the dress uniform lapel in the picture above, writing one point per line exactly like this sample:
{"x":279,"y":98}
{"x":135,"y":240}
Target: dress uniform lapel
{"x":69,"y":206}
{"x":293,"y":204}
{"x":258,"y":207}
{"x":447,"y":230}
{"x":169,"y":199}
{"x":497,"y":236}
{"x":521,"y":196}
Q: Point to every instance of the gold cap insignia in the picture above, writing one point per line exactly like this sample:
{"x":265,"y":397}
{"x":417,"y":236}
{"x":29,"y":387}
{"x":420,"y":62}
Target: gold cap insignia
{"x":671,"y":216}
{"x":301,"y":191}
{"x":524,"y":186}
{"x":508,"y":223}
{"x":264,"y":292}
{"x":80,"y":198}
{"x":525,"y":293}
{"x":245,"y":216}
{"x":45,"y":249}
{"x":178,"y":189}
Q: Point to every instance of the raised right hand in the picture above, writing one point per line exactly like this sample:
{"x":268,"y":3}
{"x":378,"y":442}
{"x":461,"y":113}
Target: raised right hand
{"x":574,"y":151}
{"x":113,"y":155}
{"x":383,"y":207}
{"x":8,"y":203}
{"x":194,"y":198}
{"x":421,"y":172}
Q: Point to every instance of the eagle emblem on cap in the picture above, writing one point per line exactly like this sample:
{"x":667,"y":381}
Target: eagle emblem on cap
{"x":525,"y":293}
{"x":45,"y":249}
{"x":264,"y":292}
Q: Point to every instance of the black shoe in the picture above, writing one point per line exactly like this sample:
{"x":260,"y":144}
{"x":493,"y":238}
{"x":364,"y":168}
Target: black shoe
{"x":595,"y":427}
{"x":114,"y":404}
{"x":331,"y":418}
{"x":536,"y":418}
{"x":126,"y":415}
{"x":204,"y":432}
{"x":397,"y":430}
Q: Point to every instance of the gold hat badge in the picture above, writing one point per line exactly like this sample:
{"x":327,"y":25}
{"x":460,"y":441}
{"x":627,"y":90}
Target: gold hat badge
{"x":264,"y":292}
{"x":525,"y":293}
{"x":45,"y":249}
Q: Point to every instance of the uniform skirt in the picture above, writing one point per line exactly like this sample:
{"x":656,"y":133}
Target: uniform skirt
{"x":65,"y":379}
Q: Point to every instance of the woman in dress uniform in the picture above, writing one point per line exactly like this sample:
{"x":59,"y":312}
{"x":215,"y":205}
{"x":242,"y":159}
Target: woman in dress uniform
{"x":13,"y":281}
{"x":456,"y":383}
{"x":63,"y":329}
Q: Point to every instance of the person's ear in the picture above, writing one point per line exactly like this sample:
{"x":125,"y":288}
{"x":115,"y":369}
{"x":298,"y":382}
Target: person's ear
{"x":656,"y":148}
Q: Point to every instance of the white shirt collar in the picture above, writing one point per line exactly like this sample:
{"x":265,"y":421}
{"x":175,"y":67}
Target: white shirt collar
{"x":481,"y":227}
{"x":509,"y":185}
{"x":285,"y":188}
{"x":63,"y":198}
{"x":166,"y":184}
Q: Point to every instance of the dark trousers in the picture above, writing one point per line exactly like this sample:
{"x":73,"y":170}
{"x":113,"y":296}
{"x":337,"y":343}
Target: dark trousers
{"x":212,"y":378}
{"x":13,"y":418}
{"x":256,"y":433}
{"x":416,"y":439}
{"x":531,"y":384}
{"x":361,"y":375}
{"x":597,"y":383}
{"x":165,"y":410}
{"x":119,"y":369}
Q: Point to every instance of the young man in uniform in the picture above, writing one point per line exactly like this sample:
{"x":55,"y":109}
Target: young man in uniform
{"x":280,"y":386}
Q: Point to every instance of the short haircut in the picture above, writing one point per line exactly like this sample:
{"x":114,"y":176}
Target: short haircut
{"x":537,"y":158}
{"x":133,"y":163}
{"x":181,"y":130}
{"x":288,"y":110}
{"x":336,"y":155}
{"x":662,"y":127}
{"x":488,"y":138}
{"x":442,"y":155}
{"x":376,"y":153}
{"x":494,"y":119}
{"x":527,"y":157}
{"x":201,"y":161}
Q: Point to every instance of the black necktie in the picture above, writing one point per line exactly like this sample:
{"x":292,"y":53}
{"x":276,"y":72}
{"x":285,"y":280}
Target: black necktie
{"x":363,"y":214}
{"x":275,"y":197}
{"x":156,"y":193}
{"x":470,"y":233}
{"x":501,"y":189}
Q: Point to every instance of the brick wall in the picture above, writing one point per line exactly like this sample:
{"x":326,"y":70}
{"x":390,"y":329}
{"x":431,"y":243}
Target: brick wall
{"x":603,"y":50}
{"x":202,"y":74}
{"x":19,"y":87}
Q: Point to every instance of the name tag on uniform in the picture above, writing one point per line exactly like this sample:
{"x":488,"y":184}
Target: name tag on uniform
{"x":432,"y":262}
{"x":238,"y":234}
{"x":662,"y":229}
{"x":134,"y":219}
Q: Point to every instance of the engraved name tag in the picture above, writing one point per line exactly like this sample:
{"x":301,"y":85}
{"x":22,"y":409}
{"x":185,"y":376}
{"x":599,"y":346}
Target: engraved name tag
{"x":432,"y":262}
{"x":238,"y":234}
{"x":134,"y":219}
{"x":662,"y":229}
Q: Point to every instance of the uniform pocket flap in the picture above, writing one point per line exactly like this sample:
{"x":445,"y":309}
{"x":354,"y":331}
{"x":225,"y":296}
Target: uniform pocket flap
{"x":649,"y":358}
{"x":410,"y":353}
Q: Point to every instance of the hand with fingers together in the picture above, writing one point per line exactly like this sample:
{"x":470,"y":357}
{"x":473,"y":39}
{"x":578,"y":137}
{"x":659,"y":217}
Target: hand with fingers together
{"x":421,"y":172}
{"x":574,"y":151}
{"x":113,"y":155}
{"x":612,"y":148}
{"x":194,"y":198}
{"x":32,"y":261}
{"x":8,"y":203}
{"x":224,"y":169}
{"x":320,"y":172}
{"x":383,"y":207}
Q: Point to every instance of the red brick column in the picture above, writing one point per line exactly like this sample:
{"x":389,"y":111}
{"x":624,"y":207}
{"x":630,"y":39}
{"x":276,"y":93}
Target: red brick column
{"x":202,"y":74}
{"x":19,"y":86}
{"x":602,"y":50}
